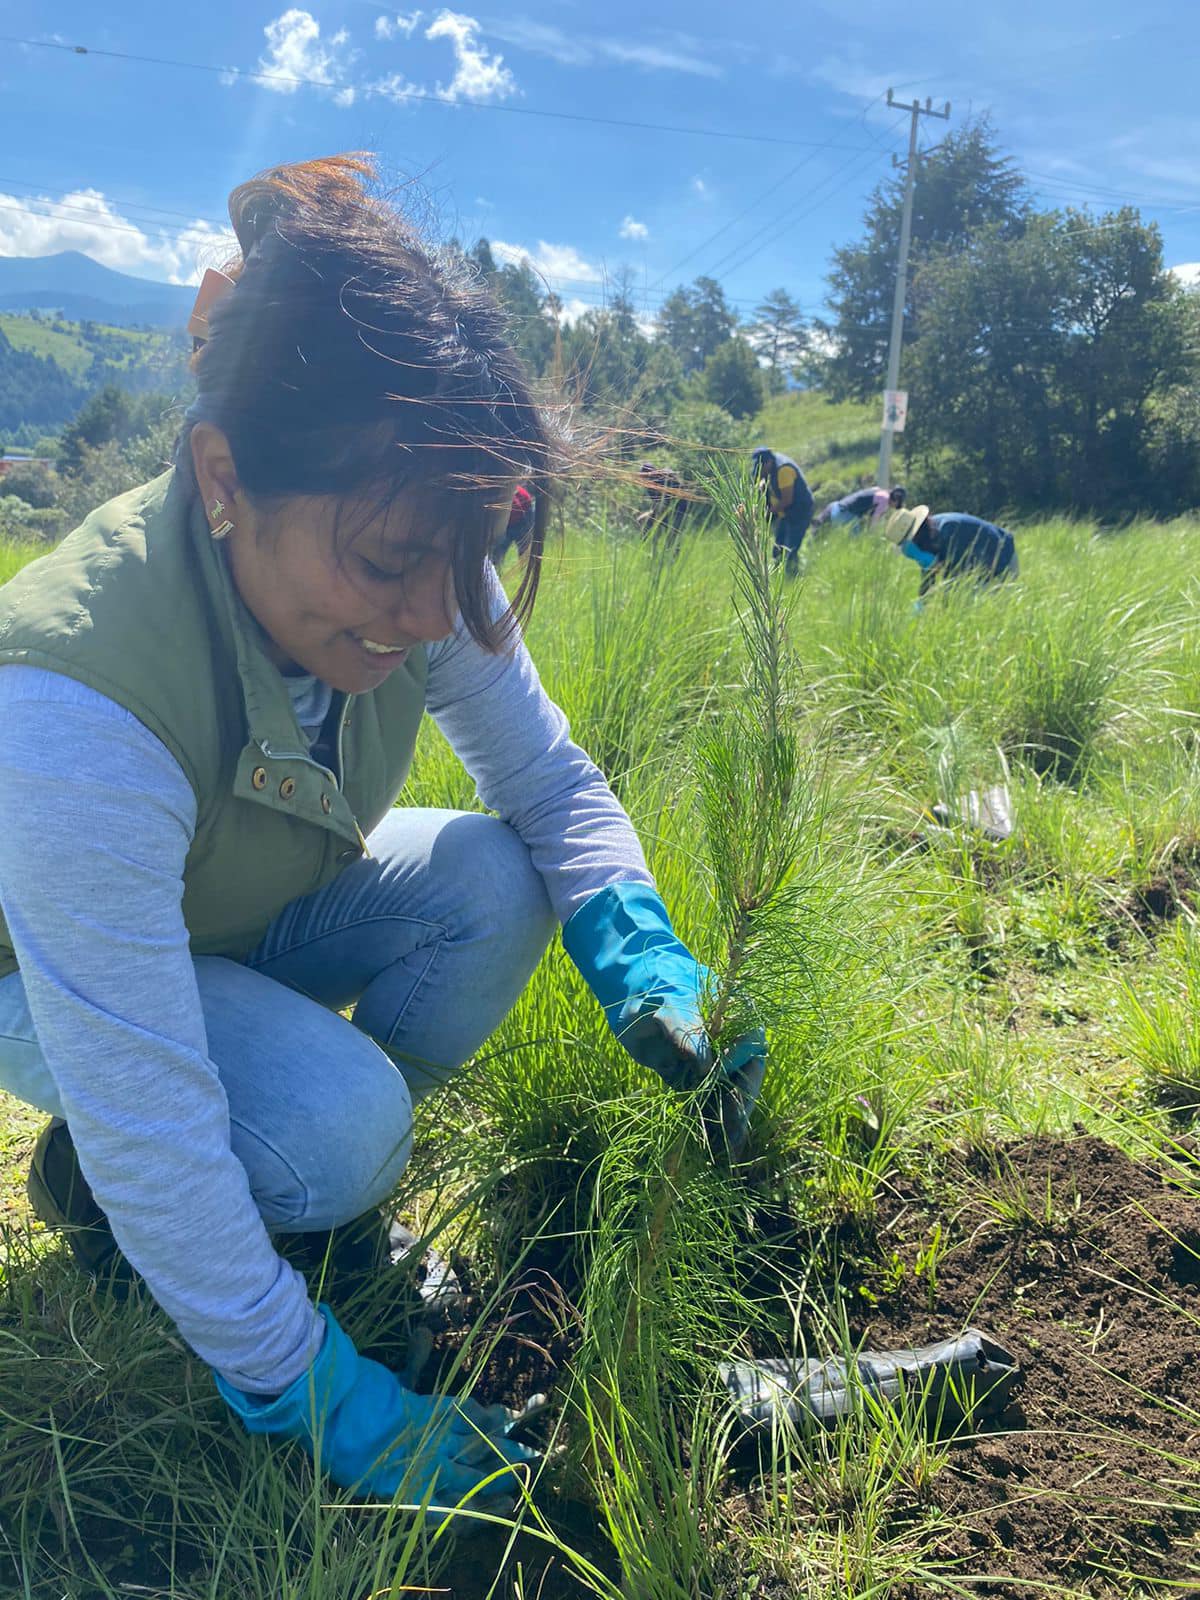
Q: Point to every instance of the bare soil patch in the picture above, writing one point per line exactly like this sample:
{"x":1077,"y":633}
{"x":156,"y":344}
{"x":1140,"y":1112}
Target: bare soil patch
{"x":1091,"y":1480}
{"x":1086,"y":1266}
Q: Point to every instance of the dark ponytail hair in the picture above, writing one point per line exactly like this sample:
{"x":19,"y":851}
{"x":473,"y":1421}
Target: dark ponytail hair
{"x":352,"y":360}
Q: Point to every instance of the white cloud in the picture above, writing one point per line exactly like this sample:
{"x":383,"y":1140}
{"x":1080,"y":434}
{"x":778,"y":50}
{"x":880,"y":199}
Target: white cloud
{"x":395,"y":86}
{"x":571,"y":310}
{"x":670,"y":53}
{"x":479,"y":75}
{"x":484,"y":203}
{"x":1188,"y":274}
{"x":542,"y":39}
{"x":701,"y":189}
{"x":630,"y":229}
{"x":295,"y":51}
{"x":853,"y":74}
{"x":556,"y":263}
{"x":658,"y":58}
{"x":84,"y":220}
{"x":402,"y":26}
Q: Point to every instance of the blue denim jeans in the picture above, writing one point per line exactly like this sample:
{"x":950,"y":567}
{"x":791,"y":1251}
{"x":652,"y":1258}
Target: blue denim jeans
{"x":431,"y":940}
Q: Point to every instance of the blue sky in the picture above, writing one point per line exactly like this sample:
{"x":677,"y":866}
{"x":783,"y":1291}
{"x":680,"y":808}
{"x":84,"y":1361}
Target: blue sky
{"x":133,"y":162}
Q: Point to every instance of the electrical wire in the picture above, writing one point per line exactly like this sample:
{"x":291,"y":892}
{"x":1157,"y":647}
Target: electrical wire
{"x":766,"y":193}
{"x":38,"y":191}
{"x":750,"y":210}
{"x":59,"y":210}
{"x":735,"y":260}
{"x":414,"y":94}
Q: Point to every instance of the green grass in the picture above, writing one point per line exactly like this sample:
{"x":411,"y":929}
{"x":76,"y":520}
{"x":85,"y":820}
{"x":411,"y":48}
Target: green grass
{"x":836,"y":442}
{"x":924,"y":993}
{"x":64,"y":342}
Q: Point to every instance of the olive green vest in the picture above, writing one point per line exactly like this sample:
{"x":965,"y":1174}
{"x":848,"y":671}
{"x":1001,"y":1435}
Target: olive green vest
{"x":138,"y":603}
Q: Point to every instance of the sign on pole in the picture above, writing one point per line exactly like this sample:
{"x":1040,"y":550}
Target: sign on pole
{"x":895,"y":409}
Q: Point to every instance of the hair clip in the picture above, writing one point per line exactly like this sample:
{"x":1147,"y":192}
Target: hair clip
{"x":213,"y":285}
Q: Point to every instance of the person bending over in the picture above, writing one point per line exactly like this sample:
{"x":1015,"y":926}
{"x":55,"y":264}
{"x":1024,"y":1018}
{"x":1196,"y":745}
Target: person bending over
{"x":952,"y":544}
{"x":862,"y":505}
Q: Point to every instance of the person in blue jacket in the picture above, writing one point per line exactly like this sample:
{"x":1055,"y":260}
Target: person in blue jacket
{"x":952,"y":545}
{"x":211,"y":693}
{"x":789,"y":500}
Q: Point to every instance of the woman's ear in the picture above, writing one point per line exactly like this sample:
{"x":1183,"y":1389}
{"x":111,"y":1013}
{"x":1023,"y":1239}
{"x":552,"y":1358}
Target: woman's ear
{"x":216,"y":475}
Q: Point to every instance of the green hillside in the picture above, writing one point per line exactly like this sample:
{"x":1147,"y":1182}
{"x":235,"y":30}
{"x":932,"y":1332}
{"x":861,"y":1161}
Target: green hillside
{"x":50,"y":367}
{"x":836,"y":443}
{"x":59,"y":341}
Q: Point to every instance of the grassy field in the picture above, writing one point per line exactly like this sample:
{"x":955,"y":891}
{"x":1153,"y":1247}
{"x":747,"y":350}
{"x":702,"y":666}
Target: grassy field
{"x":978,"y":1112}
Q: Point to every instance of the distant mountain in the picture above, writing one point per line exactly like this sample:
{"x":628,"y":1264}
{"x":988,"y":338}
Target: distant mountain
{"x":81,"y":290}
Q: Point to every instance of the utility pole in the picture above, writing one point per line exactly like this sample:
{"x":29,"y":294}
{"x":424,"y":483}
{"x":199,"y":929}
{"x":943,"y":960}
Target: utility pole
{"x":893,"y":367}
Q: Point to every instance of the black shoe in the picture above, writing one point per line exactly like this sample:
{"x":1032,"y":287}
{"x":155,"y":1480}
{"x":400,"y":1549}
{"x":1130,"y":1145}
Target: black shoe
{"x":344,"y":1257}
{"x":61,"y":1198}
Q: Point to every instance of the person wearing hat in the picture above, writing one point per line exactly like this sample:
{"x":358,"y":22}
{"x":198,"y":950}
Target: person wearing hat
{"x":790,"y":501}
{"x":952,"y":544}
{"x":862,"y":505}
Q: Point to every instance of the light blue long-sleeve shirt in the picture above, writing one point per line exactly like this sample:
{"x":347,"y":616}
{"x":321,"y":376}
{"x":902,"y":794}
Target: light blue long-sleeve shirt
{"x":96,"y":818}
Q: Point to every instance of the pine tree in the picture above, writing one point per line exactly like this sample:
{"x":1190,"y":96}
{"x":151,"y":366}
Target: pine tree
{"x":778,"y":335}
{"x":963,"y":185}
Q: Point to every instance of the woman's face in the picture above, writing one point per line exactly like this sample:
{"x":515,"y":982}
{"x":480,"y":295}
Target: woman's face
{"x":347,"y":609}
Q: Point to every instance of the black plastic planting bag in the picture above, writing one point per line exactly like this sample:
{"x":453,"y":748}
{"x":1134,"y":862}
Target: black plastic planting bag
{"x":968,"y":1377}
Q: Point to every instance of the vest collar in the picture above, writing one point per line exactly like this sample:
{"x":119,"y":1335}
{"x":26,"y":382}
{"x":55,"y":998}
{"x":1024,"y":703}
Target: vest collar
{"x":275,"y":767}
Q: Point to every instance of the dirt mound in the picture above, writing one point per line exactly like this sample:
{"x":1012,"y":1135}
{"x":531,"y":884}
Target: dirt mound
{"x":1086,"y":1266}
{"x":1173,"y":892}
{"x":1082,"y":1263}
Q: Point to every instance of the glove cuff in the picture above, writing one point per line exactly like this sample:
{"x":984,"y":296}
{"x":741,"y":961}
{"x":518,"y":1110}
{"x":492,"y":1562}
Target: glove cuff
{"x":618,"y":925}
{"x":316,"y":1393}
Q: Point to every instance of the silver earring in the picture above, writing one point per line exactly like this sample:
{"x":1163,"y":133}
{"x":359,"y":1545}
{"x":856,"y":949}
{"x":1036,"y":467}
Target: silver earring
{"x":221,"y":523}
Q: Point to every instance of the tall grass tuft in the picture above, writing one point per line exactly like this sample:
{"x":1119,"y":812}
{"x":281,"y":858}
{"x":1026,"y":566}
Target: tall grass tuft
{"x":1161,"y":1022}
{"x":1069,"y":662}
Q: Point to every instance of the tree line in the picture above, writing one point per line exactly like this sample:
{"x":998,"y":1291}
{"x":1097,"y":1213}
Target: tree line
{"x":1051,"y":359}
{"x":695,"y":350}
{"x":38,"y":395}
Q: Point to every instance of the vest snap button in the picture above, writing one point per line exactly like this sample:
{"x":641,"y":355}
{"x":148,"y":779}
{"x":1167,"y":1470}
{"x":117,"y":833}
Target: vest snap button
{"x":326,"y":804}
{"x":348,"y":855}
{"x":287,"y":788}
{"x":259,"y":777}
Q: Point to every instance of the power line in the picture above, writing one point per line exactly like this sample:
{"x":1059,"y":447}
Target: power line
{"x":417,"y":94}
{"x":776,"y":227}
{"x":171,"y":235}
{"x":1041,"y":178}
{"x":739,"y":257}
{"x":60,"y":209}
{"x":736,"y":258}
{"x":38,"y":190}
{"x":741,"y":216}
{"x":766,"y":193}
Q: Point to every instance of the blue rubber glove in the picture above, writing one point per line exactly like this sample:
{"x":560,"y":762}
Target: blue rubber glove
{"x":376,"y":1436}
{"x":651,"y":988}
{"x":924,"y":558}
